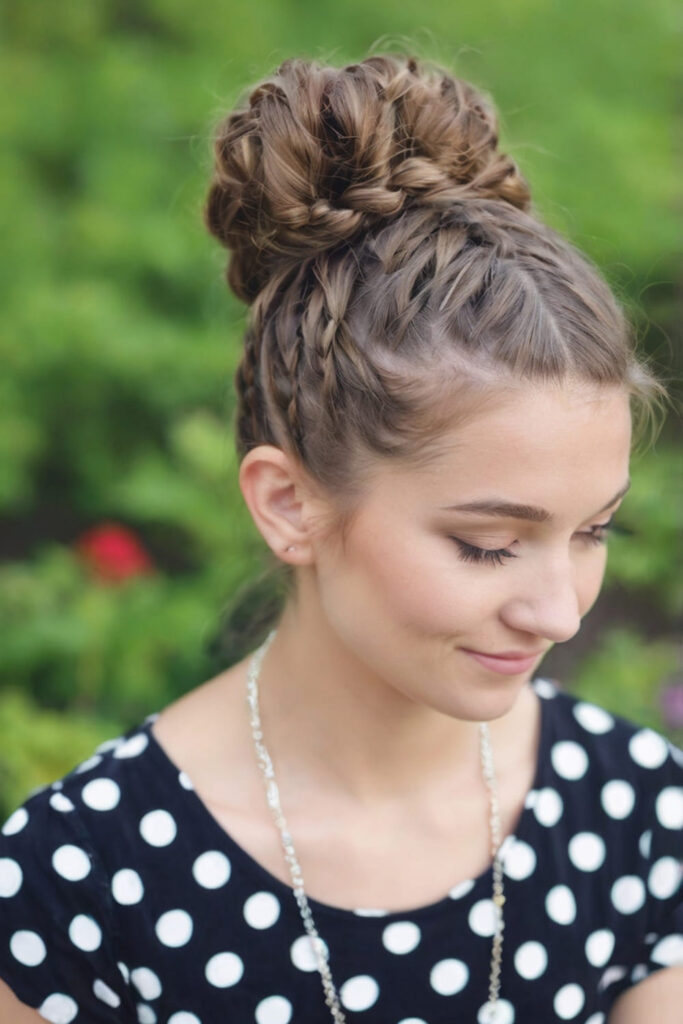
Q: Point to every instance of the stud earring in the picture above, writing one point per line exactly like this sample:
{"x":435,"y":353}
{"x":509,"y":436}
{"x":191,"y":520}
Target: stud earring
{"x":291,"y":547}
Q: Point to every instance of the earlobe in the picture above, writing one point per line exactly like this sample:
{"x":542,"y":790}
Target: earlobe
{"x":272,"y":490}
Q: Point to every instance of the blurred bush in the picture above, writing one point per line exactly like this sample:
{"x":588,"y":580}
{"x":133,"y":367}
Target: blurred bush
{"x":120,"y":340}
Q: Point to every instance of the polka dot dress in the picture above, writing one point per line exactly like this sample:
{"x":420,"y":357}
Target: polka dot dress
{"x":123,"y":900}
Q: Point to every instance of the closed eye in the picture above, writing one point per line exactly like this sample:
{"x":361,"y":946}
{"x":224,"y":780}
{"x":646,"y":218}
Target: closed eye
{"x":496,"y":556}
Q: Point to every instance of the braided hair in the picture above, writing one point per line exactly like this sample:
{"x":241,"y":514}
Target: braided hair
{"x":396,"y":271}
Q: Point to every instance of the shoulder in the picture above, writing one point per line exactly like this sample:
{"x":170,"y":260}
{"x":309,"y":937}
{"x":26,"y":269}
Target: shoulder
{"x":63,"y":831}
{"x":56,"y":890}
{"x":618,"y":779}
{"x":588,"y":739}
{"x":620,"y":787}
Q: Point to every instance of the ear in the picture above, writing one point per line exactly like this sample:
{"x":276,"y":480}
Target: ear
{"x":280,"y":500}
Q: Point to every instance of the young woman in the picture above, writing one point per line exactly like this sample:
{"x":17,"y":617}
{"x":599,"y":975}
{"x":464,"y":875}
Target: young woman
{"x":383,"y":814}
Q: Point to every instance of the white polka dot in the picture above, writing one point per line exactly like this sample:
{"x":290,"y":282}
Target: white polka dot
{"x":676,"y":753}
{"x":108,"y":745}
{"x":401,"y":937}
{"x":593,"y":718}
{"x":174,"y":928}
{"x":71,"y":862}
{"x":458,"y":891}
{"x":449,"y":976}
{"x":124,"y":971}
{"x":211,"y":869}
{"x":648,"y":748}
{"x":669,"y":807}
{"x":568,"y":1001}
{"x":548,"y":806}
{"x":101,"y":794}
{"x":664,"y":877}
{"x":158,"y":828}
{"x":262,"y":910}
{"x":669,"y":951}
{"x":611,"y":975}
{"x":15,"y":822}
{"x":11,"y":877}
{"x":127,"y":887}
{"x":132,"y":747}
{"x":645,"y":843}
{"x":186,"y":782}
{"x":639,"y":972}
{"x":224,"y":969}
{"x":596,"y":1018}
{"x":545,"y":688}
{"x":58,"y":784}
{"x":183,"y":1017}
{"x":146,"y":982}
{"x":531,"y":960}
{"x":560,"y":904}
{"x":92,"y":762}
{"x":520,"y":860}
{"x":587,"y":851}
{"x":85,"y":933}
{"x":106,"y":994}
{"x":618,"y":798}
{"x":412,"y":1020}
{"x":274,"y":1010}
{"x":370,"y":912}
{"x":501,"y":1012}
{"x":359,"y":993}
{"x":58,"y":1009}
{"x":599,"y":947}
{"x":628,"y":894}
{"x":146,"y":1014}
{"x":28,"y":948}
{"x":303,"y":954}
{"x":482,"y":917}
{"x":60,"y":802}
{"x":569,"y":759}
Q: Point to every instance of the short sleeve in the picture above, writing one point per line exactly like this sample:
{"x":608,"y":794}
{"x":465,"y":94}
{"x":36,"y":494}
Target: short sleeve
{"x":660,"y":880}
{"x":56,"y":943}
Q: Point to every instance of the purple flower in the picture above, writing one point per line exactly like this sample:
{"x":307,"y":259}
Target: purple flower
{"x":671,"y":703}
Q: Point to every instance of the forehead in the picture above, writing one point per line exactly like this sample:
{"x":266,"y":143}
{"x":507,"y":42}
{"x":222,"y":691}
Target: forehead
{"x":538,"y":441}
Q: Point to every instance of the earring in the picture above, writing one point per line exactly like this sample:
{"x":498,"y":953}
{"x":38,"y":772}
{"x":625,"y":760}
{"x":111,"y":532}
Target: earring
{"x":291,"y":548}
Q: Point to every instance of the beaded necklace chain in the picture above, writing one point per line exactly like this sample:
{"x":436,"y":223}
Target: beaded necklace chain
{"x":319,"y":947}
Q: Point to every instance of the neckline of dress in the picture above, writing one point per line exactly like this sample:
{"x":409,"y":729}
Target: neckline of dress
{"x":479,"y":887}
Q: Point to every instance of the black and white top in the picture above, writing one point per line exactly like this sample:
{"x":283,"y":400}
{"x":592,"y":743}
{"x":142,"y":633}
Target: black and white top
{"x":123,"y":900}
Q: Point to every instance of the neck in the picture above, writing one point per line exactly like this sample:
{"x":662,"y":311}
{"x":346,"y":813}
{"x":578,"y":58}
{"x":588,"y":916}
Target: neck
{"x":329,"y":717}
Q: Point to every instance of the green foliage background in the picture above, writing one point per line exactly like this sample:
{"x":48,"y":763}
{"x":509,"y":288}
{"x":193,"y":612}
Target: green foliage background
{"x":119,"y":339}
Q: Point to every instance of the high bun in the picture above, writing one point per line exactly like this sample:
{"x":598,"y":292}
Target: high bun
{"x":319,"y":155}
{"x":396,"y":271}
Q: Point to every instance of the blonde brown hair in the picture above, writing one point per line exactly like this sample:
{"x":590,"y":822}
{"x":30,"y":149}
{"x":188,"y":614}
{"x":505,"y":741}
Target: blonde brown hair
{"x":397,"y":274}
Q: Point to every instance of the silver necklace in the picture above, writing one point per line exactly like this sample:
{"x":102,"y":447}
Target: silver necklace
{"x":273,"y":797}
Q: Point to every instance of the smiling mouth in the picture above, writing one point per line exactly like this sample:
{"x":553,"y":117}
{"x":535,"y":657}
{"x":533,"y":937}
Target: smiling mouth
{"x":506,"y":655}
{"x":504,"y":666}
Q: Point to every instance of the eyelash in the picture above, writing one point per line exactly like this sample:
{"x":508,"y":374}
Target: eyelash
{"x":469,"y":553}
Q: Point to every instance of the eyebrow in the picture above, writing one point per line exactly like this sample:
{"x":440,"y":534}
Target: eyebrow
{"x":512,"y":510}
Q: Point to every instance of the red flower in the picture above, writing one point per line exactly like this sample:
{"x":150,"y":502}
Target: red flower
{"x":113,"y":553}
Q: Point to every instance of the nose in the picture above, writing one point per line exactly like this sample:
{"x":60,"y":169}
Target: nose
{"x":546,"y":604}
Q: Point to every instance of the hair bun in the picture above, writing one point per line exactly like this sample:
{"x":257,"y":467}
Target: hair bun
{"x":319,"y":154}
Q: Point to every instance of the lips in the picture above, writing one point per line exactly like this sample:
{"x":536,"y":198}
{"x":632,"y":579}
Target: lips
{"x":505,"y":665}
{"x":508,"y":655}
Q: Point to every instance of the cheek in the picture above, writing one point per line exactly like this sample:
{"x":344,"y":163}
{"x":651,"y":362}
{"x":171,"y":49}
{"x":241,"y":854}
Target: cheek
{"x":411,"y":584}
{"x":590,"y":580}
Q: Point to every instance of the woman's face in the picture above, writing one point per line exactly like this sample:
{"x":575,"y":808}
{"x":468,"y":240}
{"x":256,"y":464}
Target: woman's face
{"x":410,"y":595}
